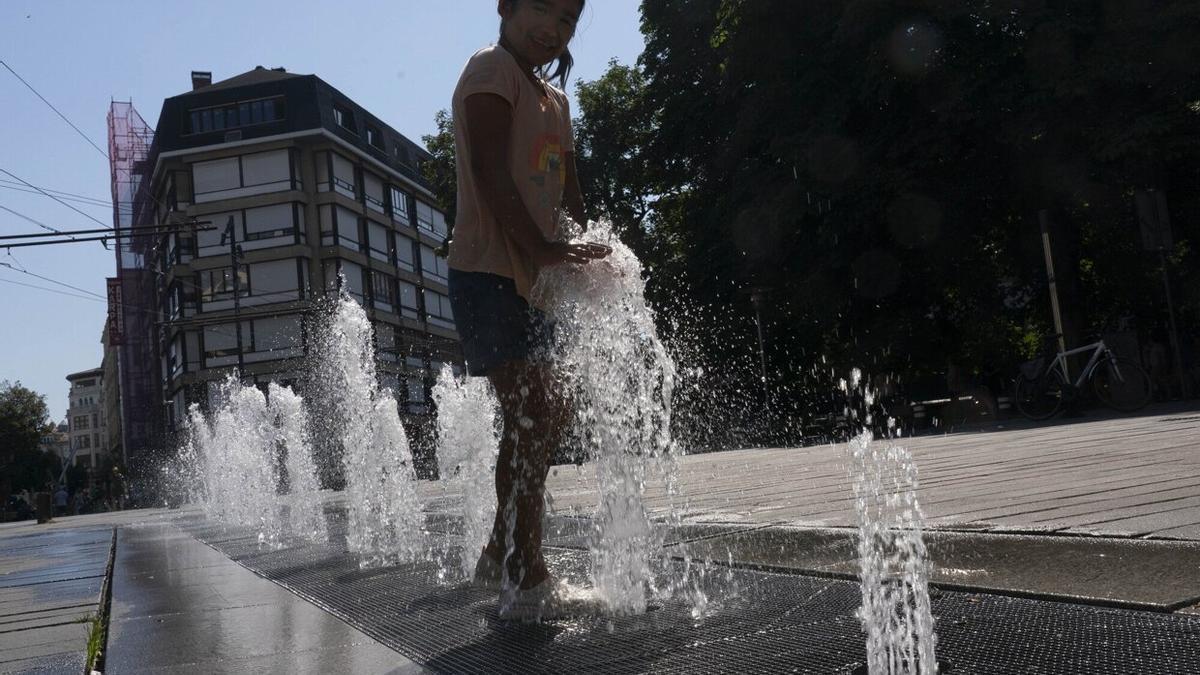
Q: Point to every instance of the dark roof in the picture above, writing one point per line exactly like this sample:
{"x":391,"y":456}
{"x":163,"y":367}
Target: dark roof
{"x":94,"y":372}
{"x":257,"y":76}
{"x":309,"y":103}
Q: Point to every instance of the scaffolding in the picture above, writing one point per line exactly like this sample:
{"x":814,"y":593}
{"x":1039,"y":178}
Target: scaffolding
{"x":131,"y":153}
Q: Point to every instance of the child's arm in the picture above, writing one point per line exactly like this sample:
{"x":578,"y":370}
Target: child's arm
{"x":489,"y":125}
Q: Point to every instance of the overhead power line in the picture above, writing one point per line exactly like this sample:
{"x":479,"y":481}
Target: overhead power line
{"x":76,"y":210}
{"x":53,"y":281}
{"x":137,"y":230}
{"x":69,"y":196}
{"x":34,"y":221}
{"x":51,"y":290}
{"x":56,"y":110}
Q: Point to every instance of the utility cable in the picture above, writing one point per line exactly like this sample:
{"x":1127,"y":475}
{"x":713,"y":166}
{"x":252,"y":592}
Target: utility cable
{"x":34,"y":221}
{"x":28,"y":184}
{"x":56,"y":110}
{"x":53,"y":281}
{"x":79,"y":199}
{"x":50,"y":290}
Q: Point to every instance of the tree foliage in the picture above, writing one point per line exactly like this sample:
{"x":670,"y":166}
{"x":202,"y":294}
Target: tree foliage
{"x":24,"y":419}
{"x":880,"y":168}
{"x":878,"y":171}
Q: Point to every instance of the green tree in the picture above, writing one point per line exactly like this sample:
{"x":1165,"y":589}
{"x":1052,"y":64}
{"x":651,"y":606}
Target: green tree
{"x":440,"y":170}
{"x":24,"y":419}
{"x":612,"y":132}
{"x":881,"y":166}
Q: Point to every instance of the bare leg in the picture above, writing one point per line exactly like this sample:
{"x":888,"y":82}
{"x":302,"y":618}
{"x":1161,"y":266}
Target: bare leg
{"x":534,"y":418}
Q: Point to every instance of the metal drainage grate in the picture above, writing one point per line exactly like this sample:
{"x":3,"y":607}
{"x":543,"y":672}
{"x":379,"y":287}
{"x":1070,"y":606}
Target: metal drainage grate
{"x":759,"y":622}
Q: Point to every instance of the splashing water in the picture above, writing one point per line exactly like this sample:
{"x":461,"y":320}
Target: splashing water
{"x":468,"y":444}
{"x":236,"y":453}
{"x":385,"y":519}
{"x":893,"y":567}
{"x":620,"y":378}
{"x":305,"y":510}
{"x":250,"y":463}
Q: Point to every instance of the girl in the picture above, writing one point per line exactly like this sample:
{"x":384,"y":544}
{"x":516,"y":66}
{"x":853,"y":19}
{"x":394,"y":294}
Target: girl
{"x":516,"y":174}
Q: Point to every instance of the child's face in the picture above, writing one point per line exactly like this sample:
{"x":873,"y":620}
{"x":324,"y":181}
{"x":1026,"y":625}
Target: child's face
{"x":539,"y":30}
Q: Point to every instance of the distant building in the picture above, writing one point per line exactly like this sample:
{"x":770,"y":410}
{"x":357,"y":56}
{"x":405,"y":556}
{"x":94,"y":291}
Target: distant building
{"x":87,"y":428}
{"x":308,"y":187}
{"x":58,"y":441}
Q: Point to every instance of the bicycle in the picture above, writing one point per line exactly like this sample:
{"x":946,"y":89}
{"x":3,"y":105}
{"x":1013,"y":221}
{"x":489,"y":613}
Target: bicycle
{"x":1117,"y":382}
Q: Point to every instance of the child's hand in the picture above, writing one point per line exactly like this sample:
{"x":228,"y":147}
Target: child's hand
{"x":555,"y":252}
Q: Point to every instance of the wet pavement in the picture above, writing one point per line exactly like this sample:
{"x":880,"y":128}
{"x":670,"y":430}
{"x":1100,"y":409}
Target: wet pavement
{"x":181,"y":607}
{"x":50,"y":582}
{"x":1135,"y":573}
{"x":750,"y":620}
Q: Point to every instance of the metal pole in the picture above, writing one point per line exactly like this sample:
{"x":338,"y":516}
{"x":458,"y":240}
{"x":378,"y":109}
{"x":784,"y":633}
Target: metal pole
{"x":1183,"y":384}
{"x":1044,"y":222}
{"x":235,"y":259}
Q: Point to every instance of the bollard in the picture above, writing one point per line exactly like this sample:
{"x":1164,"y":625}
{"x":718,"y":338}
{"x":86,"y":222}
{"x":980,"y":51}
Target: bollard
{"x":44,"y":508}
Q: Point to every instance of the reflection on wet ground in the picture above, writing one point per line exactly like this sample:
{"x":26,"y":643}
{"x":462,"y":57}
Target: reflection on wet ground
{"x":756,"y":621}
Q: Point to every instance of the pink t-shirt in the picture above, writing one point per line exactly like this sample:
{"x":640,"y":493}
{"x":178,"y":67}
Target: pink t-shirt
{"x":541,"y":138}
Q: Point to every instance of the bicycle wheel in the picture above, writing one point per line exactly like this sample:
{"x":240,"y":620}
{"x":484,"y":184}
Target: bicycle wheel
{"x":1121,"y":384}
{"x":1041,"y":398}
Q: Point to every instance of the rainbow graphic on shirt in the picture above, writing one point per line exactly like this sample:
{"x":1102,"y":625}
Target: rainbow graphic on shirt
{"x":548,"y":157}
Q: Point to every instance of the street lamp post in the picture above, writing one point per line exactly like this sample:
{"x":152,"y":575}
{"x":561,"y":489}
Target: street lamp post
{"x":235,"y":254}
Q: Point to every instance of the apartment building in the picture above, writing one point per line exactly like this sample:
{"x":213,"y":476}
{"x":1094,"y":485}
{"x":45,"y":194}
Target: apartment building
{"x":307,"y":190}
{"x":87,"y":428}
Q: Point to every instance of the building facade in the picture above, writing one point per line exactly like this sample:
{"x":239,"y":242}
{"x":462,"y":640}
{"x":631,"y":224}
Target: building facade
{"x":111,"y":397}
{"x":57,"y":441}
{"x":281,"y":189}
{"x":87,"y":428}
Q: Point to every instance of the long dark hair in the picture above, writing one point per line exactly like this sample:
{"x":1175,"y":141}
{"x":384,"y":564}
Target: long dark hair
{"x":562,"y":67}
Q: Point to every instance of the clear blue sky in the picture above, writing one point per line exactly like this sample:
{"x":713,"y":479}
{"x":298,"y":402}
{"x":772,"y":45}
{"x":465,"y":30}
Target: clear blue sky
{"x":397,"y":58}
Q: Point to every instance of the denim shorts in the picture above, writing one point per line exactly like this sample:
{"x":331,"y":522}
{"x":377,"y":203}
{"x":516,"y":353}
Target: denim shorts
{"x":496,"y":324}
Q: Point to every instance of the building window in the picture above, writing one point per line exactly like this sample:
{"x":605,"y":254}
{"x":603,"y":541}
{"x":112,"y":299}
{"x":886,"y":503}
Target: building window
{"x":437,"y":309}
{"x":252,"y":174}
{"x":405,"y":258}
{"x":234,"y":115}
{"x":383,"y":291}
{"x":424,"y":216}
{"x":344,"y":118}
{"x":433,"y":266}
{"x":408,"y":300}
{"x":340,"y":227}
{"x":336,"y":173}
{"x":373,"y":192}
{"x":79,"y":422}
{"x":218,"y":284}
{"x":377,"y":242}
{"x":399,"y":207}
{"x":374,"y":137}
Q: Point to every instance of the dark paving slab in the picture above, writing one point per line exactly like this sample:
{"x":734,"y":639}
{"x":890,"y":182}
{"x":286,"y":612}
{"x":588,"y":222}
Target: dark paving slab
{"x":752,"y":621}
{"x":1147,"y":574}
{"x":182,"y":607}
{"x":50,"y":582}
